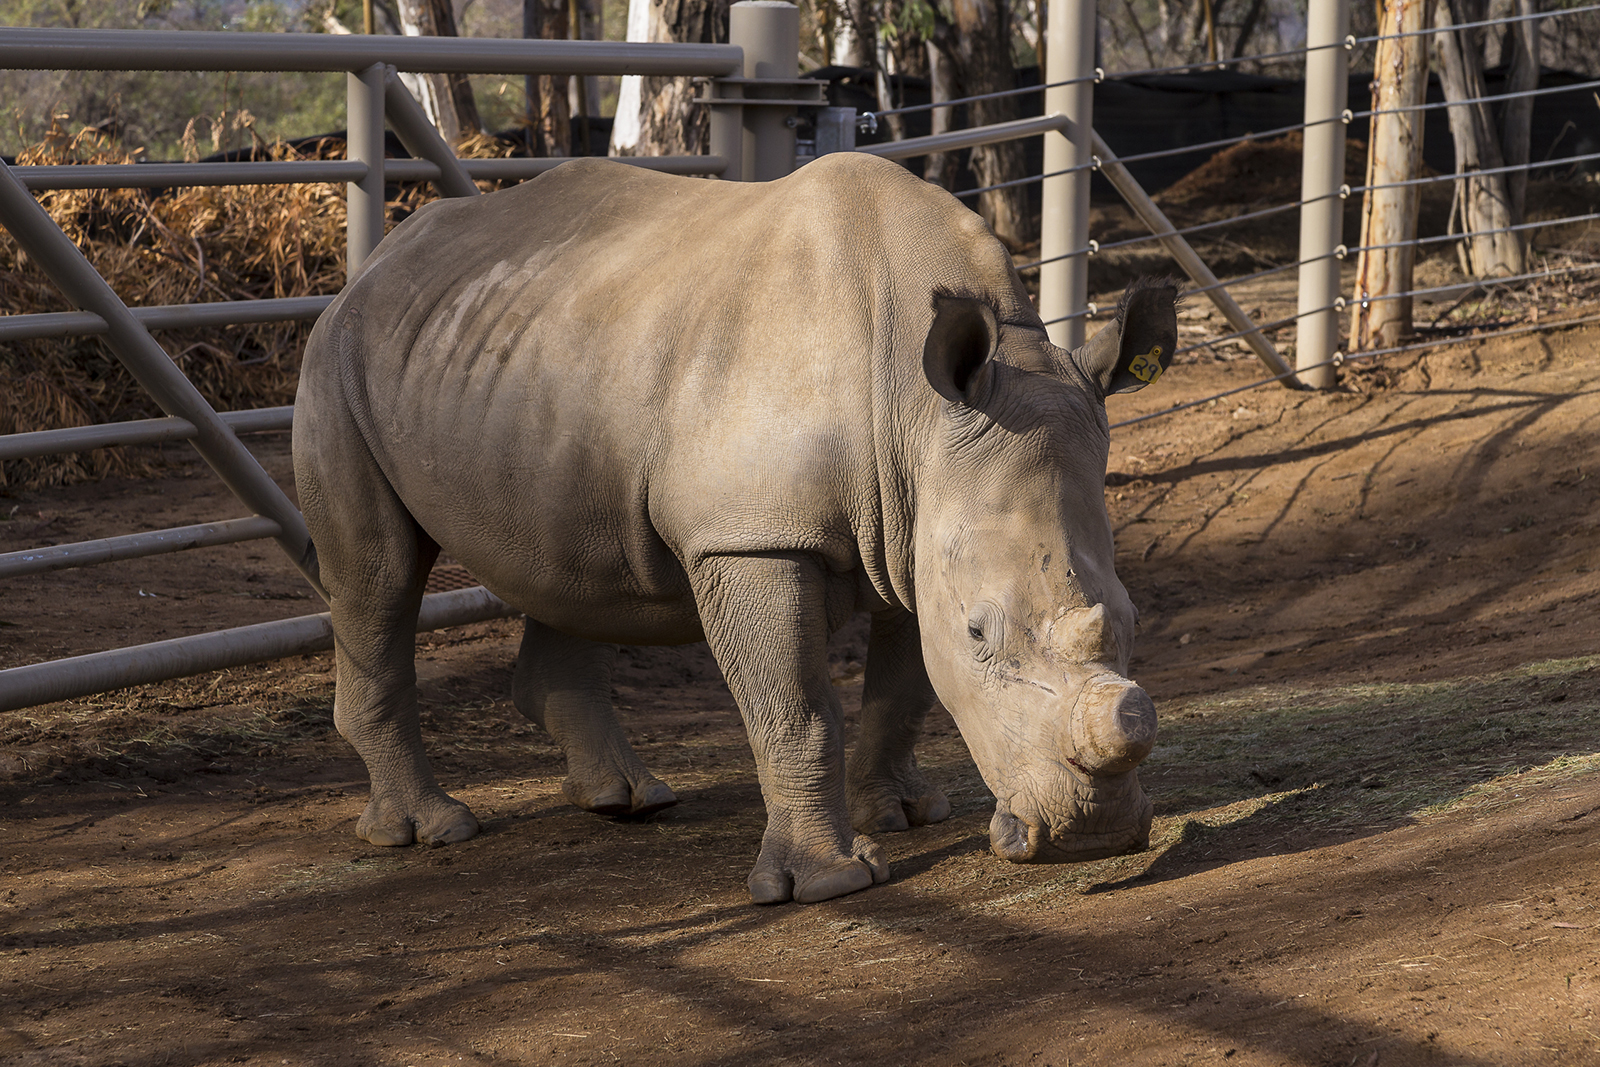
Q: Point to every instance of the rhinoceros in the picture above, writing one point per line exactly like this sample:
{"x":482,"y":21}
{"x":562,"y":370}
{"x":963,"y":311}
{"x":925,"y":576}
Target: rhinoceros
{"x":645,"y":409}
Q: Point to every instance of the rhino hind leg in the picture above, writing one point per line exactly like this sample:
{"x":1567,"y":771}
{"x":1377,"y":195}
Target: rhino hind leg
{"x":374,"y":563}
{"x":564,"y":684}
{"x":887,"y":790}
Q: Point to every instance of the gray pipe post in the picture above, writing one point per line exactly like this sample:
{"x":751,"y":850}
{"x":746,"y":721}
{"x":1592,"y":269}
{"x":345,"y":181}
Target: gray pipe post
{"x":1064,"y":221}
{"x":1321,"y":175}
{"x":769,"y":33}
{"x":727,"y":130}
{"x":364,"y":141}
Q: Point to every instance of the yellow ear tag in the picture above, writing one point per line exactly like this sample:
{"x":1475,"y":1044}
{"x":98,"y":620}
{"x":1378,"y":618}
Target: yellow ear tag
{"x":1147,"y":368}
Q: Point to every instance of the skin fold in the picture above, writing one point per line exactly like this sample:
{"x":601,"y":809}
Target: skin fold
{"x":652,"y":410}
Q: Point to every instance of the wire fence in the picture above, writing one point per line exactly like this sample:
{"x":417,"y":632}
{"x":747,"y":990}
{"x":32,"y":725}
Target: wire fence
{"x":1465,"y":310}
{"x":1430,"y":30}
{"x":1217,"y":231}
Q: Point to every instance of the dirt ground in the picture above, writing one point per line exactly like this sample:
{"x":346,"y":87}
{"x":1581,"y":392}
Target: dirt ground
{"x":1367,"y":620}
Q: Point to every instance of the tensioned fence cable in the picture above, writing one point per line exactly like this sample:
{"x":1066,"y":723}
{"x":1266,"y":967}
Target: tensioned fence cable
{"x":1095,"y":77}
{"x":1218,"y":64}
{"x":1095,"y":247}
{"x":1346,"y":192}
{"x":1337,"y":254}
{"x":1024,"y":181}
{"x":1213,"y":225}
{"x":1343,"y":302}
{"x":1475,"y":25}
{"x":1481,"y":283}
{"x":1199,"y":146}
{"x":1100,"y":76}
{"x":1226,"y":142}
{"x":1341,"y":359}
{"x":1434,"y":105}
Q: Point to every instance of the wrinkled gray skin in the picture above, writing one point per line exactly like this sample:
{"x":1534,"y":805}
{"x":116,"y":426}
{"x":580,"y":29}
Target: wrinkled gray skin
{"x":646,"y":410}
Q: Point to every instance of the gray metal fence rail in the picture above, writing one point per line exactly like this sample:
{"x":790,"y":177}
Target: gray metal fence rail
{"x":375,"y":98}
{"x":751,"y":139}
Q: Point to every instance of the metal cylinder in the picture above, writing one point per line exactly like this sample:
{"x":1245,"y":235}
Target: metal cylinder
{"x":1321,"y":174}
{"x":727,"y":131}
{"x":364,"y":141}
{"x":1064,"y":221}
{"x":836,"y":130}
{"x":769,"y":33}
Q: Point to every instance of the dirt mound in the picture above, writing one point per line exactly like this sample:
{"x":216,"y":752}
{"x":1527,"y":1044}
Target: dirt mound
{"x":1256,"y":173}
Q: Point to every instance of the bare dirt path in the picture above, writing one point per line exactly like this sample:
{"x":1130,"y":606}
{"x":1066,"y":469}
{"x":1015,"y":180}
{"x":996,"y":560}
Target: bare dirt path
{"x":1367,"y":621}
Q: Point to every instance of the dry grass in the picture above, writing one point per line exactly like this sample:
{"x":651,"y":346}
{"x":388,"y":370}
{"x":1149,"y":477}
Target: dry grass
{"x":193,"y":245}
{"x":162,"y":247}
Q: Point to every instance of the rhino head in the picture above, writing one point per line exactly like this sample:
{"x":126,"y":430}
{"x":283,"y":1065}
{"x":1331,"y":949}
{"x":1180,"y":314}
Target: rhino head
{"x":1026,"y":631}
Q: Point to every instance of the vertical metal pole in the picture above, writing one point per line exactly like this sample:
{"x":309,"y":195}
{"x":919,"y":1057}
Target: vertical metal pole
{"x":769,"y":32}
{"x":836,"y":130}
{"x":364,"y":141}
{"x":1064,"y":224}
{"x":727,"y":130}
{"x":1321,"y":175}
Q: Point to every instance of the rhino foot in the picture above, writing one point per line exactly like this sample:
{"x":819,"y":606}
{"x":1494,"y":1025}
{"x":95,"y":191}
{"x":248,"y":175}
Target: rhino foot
{"x":613,"y":794}
{"x":435,"y":819}
{"x":889,"y":807}
{"x":806,"y":878}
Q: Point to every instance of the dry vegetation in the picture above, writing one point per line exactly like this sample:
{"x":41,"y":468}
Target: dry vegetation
{"x":195,"y":245}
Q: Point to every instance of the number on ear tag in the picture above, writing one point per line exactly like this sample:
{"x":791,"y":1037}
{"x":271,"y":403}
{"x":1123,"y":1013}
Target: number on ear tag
{"x":1147,"y":368}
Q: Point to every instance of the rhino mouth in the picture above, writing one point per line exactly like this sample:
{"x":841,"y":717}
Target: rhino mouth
{"x":1109,"y":819}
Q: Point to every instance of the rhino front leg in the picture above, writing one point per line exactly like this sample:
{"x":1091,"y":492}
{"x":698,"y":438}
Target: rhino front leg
{"x":887,"y":790}
{"x":564,"y":684}
{"x":765,"y":619}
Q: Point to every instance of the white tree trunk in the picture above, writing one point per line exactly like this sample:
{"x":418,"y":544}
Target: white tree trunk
{"x":1394,"y":154}
{"x":1483,"y":200}
{"x":447,"y":98}
{"x":940,"y":168}
{"x":625,"y":128}
{"x":1516,"y":123}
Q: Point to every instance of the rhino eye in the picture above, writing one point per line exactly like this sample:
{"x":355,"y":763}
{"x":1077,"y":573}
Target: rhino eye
{"x":986,"y":630}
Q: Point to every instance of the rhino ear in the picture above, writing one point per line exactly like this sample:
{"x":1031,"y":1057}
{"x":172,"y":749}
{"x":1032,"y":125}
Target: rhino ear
{"x":1136,"y":349}
{"x":961,"y":342}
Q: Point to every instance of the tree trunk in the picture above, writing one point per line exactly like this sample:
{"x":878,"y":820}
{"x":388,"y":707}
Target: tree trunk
{"x":549,"y":118}
{"x":585,"y":91}
{"x":1516,"y":122}
{"x":447,"y":98}
{"x":854,"y":33}
{"x":1394,"y":154}
{"x":1483,"y":200}
{"x":940,"y":166}
{"x":979,"y":47}
{"x":668,"y":123}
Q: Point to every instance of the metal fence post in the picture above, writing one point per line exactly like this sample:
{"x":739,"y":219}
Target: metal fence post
{"x":769,"y":33}
{"x":727,"y":129}
{"x":364,"y":141}
{"x":836,"y":130}
{"x":1064,"y":222}
{"x":1321,"y":175}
